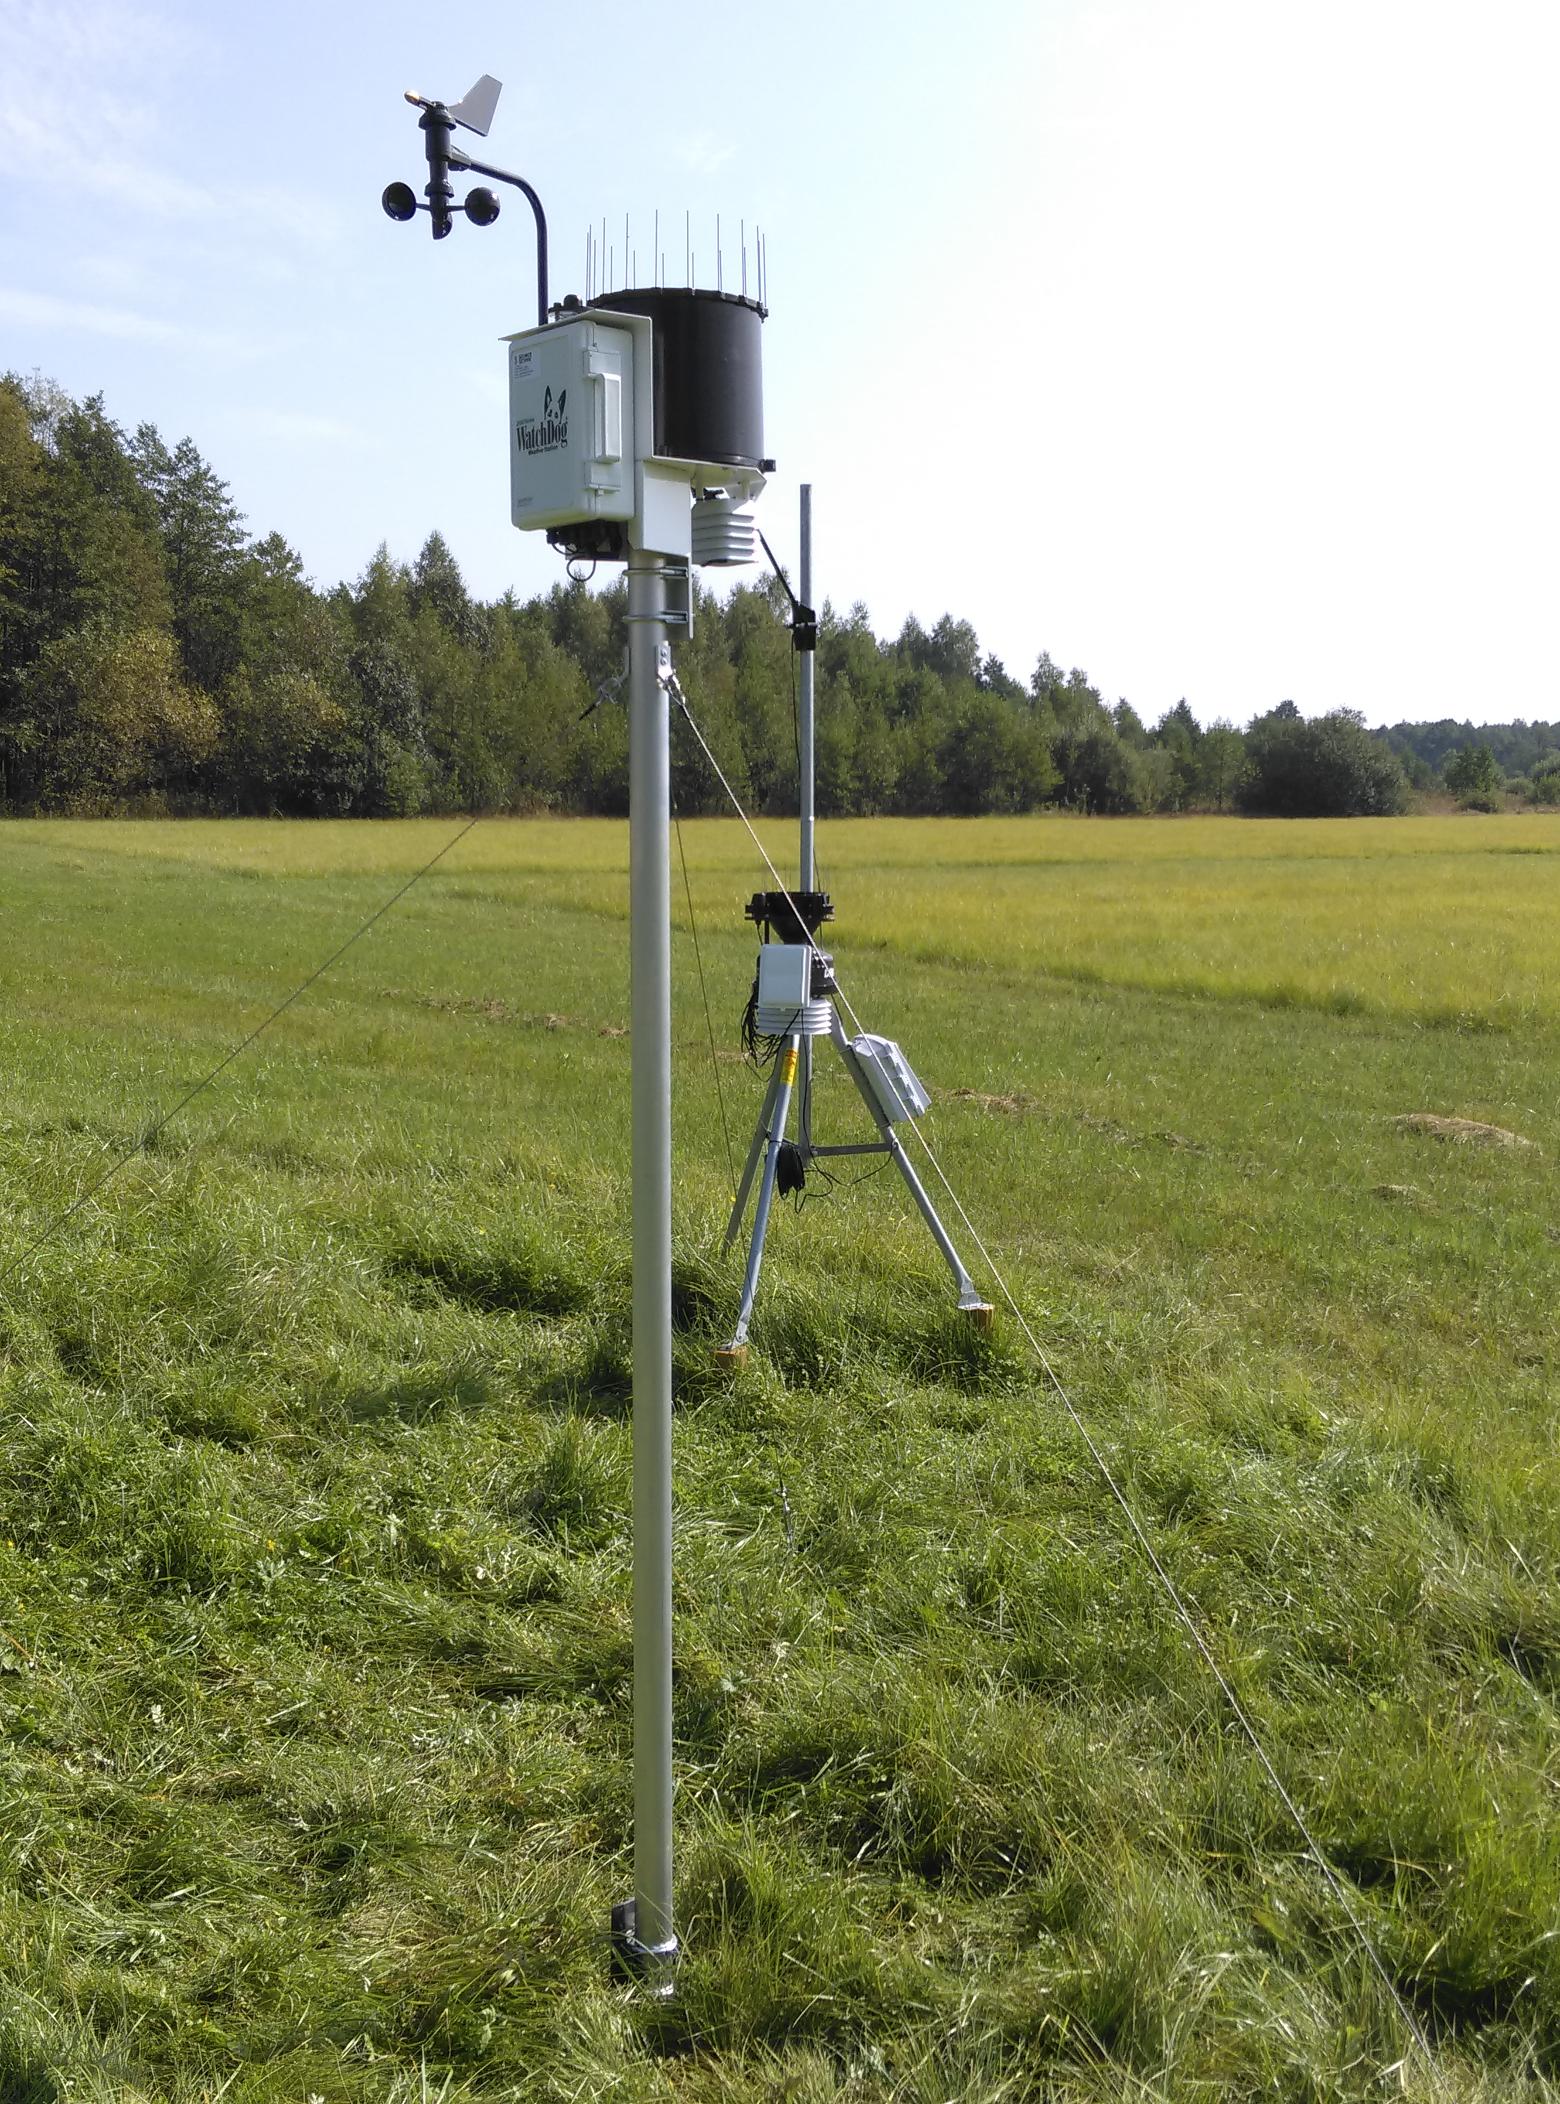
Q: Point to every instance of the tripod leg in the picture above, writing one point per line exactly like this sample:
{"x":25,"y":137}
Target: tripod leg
{"x":969,"y":1297}
{"x":785,"y":1075}
{"x":755,"y":1153}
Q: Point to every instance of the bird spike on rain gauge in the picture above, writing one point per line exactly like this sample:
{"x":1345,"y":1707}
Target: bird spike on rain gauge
{"x":636,"y":436}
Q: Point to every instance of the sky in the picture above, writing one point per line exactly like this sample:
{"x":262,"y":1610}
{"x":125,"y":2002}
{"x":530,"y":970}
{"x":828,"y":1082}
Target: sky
{"x":1210,"y":346}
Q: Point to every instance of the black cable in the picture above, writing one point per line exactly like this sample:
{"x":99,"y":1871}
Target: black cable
{"x":709,"y":1021}
{"x":763,"y":1047}
{"x":747,"y":1031}
{"x":833,"y":1185}
{"x":152,"y":1130}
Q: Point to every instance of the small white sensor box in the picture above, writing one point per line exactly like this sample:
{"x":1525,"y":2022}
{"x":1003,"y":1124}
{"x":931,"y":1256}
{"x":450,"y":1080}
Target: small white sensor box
{"x":785,"y":975}
{"x":891,"y":1078}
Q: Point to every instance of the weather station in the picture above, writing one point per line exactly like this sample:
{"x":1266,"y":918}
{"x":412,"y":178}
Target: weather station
{"x":636,"y":436}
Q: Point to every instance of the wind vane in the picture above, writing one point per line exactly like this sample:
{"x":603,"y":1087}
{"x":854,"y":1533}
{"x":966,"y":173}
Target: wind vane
{"x":474,"y":111}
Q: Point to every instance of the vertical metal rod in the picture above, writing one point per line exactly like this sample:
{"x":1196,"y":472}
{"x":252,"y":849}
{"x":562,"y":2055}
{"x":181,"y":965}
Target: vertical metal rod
{"x":650,"y":953}
{"x":807,"y":770}
{"x":805,"y":685}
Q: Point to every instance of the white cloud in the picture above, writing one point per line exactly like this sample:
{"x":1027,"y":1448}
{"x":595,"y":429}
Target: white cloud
{"x":702,"y":153}
{"x":90,"y":101}
{"x":41,"y":310}
{"x":85,"y":90}
{"x":305,"y":427}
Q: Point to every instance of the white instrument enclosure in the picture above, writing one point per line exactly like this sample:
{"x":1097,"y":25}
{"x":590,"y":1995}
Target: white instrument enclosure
{"x":900,"y":1094}
{"x":571,"y":424}
{"x":591,"y":457}
{"x":785,"y":975}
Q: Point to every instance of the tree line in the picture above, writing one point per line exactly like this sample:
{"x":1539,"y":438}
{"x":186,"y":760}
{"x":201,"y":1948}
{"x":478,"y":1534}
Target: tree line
{"x":1481,"y":763}
{"x":155,"y":656}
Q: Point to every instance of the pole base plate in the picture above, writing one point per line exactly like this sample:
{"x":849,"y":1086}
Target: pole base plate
{"x":648,"y":1966}
{"x":980,"y":1314}
{"x":730,"y":1358}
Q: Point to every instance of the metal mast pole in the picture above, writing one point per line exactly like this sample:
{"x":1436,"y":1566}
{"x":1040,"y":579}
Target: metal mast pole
{"x":807,"y":769}
{"x":652,"y":1941}
{"x":805,"y":684}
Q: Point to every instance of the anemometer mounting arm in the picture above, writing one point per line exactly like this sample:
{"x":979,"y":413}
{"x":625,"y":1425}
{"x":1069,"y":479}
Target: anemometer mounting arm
{"x":437,"y":125}
{"x":804,"y":620}
{"x":458,"y":159}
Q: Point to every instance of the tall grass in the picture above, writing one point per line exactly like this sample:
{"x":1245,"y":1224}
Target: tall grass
{"x":314,"y":1669}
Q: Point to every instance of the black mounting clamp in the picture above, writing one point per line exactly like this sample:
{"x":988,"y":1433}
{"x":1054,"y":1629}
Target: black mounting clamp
{"x":804,"y":621}
{"x":789,"y":916}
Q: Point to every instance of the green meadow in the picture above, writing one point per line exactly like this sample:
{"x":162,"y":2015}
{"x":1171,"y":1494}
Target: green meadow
{"x":314,"y":1473}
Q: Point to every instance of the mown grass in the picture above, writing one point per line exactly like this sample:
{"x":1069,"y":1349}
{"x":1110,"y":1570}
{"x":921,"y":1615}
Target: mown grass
{"x":314,"y":1696}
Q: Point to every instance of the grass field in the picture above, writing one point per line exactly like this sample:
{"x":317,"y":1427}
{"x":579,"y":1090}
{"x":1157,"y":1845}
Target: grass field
{"x":314,"y":1701}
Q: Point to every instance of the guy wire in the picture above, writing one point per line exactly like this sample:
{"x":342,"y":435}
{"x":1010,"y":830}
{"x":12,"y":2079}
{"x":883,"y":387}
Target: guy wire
{"x":151,"y":1131}
{"x":1140,"y":1533}
{"x":681,"y":700}
{"x":704,"y":994}
{"x":1193,"y":1629}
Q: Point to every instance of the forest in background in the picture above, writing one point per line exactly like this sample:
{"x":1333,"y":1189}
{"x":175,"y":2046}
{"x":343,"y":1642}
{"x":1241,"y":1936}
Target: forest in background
{"x":156,"y":657}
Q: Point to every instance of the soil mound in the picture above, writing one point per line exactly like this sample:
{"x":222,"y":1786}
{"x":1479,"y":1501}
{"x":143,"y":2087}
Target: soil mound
{"x":1463,"y":1132}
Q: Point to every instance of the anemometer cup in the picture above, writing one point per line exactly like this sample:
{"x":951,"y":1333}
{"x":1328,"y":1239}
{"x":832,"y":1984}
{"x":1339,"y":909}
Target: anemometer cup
{"x":438,"y":124}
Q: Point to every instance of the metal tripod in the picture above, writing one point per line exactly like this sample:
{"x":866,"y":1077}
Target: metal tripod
{"x":769,"y":1138}
{"x":796,"y":1053}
